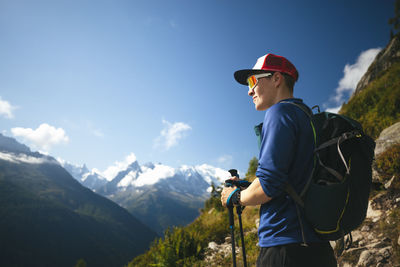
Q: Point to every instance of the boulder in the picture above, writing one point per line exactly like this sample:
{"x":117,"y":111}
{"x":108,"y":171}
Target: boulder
{"x":387,"y":138}
{"x":366,"y":258}
{"x":213,"y":245}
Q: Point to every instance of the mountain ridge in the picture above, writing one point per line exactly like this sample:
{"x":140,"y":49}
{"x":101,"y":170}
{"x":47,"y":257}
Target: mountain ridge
{"x":49,"y":219}
{"x":159,"y":195}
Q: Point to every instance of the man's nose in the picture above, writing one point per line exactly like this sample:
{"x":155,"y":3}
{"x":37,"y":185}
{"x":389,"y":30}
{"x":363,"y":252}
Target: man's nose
{"x":251,"y":91}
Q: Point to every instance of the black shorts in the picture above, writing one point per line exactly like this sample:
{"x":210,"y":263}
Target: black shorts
{"x":296,"y":255}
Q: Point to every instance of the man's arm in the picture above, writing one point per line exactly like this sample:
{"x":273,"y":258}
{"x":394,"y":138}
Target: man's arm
{"x":251,"y":196}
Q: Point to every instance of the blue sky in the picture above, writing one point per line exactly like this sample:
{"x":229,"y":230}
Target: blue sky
{"x":93,"y":81}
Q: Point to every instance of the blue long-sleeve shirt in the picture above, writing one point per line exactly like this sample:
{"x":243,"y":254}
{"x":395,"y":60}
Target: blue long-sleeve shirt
{"x":286,"y":155}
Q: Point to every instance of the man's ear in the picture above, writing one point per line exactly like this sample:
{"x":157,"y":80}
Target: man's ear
{"x":278,"y":78}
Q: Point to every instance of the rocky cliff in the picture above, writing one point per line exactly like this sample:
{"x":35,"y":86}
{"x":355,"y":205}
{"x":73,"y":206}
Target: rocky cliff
{"x":383,"y":61}
{"x":377,"y":241}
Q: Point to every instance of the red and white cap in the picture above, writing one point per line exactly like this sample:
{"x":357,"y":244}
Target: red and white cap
{"x":267,"y":63}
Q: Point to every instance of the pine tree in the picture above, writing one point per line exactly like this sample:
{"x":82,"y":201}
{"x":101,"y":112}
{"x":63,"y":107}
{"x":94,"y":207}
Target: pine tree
{"x":395,"y":21}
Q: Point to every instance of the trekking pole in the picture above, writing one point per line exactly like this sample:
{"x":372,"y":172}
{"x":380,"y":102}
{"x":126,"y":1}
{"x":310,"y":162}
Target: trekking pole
{"x":239,"y":210}
{"x":238,"y":184}
{"x":232,"y":226}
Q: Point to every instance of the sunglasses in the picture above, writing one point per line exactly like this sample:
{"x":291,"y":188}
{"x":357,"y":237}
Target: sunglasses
{"x":253,"y":79}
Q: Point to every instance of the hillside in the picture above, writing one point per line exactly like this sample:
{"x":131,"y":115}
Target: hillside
{"x":204,"y":242}
{"x":48,"y":219}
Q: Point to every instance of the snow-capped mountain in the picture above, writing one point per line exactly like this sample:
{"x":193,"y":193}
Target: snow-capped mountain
{"x":159,"y":195}
{"x":77,"y":171}
{"x":92,"y":179}
{"x":129,"y":175}
{"x":185,"y":179}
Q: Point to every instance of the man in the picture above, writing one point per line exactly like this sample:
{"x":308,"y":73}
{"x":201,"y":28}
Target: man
{"x":286,"y":156}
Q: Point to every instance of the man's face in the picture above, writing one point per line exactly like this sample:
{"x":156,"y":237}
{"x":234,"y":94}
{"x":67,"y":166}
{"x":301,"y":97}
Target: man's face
{"x":263,"y":93}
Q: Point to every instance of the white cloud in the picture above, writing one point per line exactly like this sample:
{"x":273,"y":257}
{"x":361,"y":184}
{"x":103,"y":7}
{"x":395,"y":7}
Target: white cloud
{"x":118,"y":166}
{"x":22,"y":158}
{"x":171,"y":134}
{"x":44,"y":137}
{"x":6,"y":109}
{"x":351,"y":76}
{"x":334,"y":109}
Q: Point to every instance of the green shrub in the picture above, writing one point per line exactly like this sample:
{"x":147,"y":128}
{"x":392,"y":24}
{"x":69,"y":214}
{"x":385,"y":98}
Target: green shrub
{"x":253,"y":164}
{"x":388,"y":162}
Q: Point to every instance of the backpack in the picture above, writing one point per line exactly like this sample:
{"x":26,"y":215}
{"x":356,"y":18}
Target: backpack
{"x":335,"y":197}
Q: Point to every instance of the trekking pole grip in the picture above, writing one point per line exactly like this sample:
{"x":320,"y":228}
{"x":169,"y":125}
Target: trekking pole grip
{"x":234,"y":172}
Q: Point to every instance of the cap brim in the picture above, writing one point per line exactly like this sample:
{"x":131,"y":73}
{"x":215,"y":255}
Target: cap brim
{"x":242,"y":75}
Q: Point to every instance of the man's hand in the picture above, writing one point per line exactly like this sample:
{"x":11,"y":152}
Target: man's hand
{"x":225,"y":194}
{"x":226,"y":191}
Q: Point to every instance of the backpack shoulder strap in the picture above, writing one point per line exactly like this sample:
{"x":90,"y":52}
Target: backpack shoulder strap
{"x":289,"y":188}
{"x":302,"y":106}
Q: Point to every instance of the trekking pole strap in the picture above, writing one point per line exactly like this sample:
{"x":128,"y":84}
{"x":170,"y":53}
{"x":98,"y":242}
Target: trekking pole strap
{"x":233,"y":198}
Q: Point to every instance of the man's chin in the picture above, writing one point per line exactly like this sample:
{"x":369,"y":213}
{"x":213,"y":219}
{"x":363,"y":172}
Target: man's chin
{"x":259,"y":108}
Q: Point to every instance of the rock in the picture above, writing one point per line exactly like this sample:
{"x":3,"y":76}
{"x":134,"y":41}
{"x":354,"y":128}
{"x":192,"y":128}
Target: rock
{"x":377,"y":244}
{"x":366,"y":228}
{"x":375,"y":175}
{"x":387,"y":138}
{"x":389,"y":183}
{"x":228,"y":239}
{"x":373,"y":214}
{"x":366,"y":258}
{"x":212,"y":246}
{"x":258,"y":222}
{"x":357,"y":236}
{"x":398,"y":200}
{"x":379,"y":258}
{"x":398,"y":241}
{"x":386,"y":252}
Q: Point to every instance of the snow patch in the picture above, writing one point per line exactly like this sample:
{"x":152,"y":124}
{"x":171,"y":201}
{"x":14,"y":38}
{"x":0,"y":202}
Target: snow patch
{"x":152,"y":176}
